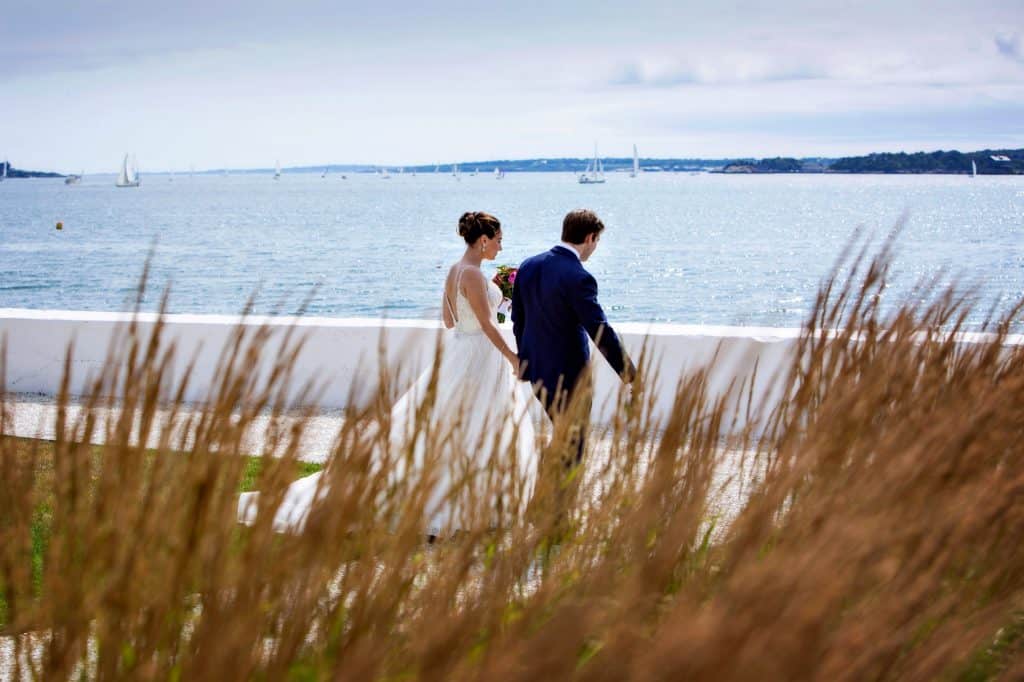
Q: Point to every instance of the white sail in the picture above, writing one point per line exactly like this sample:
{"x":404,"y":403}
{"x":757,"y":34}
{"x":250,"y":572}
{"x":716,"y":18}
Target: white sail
{"x":129,"y":175}
{"x":594,"y":175}
{"x":122,"y":179}
{"x":974,"y":169}
{"x":636,"y":164}
{"x":277,"y":170}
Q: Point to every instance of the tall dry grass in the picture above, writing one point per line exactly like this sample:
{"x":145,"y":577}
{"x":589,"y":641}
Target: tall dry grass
{"x":879,"y":535}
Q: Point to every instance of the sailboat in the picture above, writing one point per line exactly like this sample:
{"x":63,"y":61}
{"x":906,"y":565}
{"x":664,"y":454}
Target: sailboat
{"x":498,"y":173}
{"x":594,"y":175}
{"x":455,"y":172}
{"x":974,"y":169}
{"x":636,"y":164}
{"x":324,"y":174}
{"x":384,"y":175}
{"x":3,"y":173}
{"x":277,"y":170}
{"x":129,"y":176}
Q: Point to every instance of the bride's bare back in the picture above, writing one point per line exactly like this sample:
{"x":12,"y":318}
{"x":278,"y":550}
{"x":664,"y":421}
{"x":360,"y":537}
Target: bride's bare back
{"x":482,"y":233}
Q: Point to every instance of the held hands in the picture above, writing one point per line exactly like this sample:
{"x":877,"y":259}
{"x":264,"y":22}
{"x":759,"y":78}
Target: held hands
{"x":514,"y":361}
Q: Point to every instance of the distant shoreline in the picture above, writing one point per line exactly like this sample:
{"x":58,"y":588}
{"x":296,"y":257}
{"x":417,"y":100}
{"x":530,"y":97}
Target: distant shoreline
{"x":16,"y":173}
{"x":985,"y":162}
{"x":705,"y":171}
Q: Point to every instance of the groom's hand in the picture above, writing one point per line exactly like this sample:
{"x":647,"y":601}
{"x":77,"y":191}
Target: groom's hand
{"x":629,"y":372}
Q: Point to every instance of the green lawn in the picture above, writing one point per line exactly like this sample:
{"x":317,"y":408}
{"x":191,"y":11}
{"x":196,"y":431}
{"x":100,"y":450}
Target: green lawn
{"x":44,"y":450}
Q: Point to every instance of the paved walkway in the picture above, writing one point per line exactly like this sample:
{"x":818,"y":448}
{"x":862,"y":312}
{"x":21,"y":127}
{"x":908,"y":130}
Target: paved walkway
{"x":35,"y":416}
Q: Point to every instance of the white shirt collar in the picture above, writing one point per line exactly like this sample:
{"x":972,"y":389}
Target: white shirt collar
{"x":573,"y":248}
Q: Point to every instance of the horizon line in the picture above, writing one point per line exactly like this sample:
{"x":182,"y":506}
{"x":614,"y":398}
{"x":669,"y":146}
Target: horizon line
{"x":357,"y":167}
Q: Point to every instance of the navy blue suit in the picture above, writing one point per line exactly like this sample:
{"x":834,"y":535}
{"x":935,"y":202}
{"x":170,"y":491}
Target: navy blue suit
{"x":554,"y":311}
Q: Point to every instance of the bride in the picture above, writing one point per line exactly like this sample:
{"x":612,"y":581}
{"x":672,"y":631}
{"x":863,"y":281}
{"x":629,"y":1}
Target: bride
{"x":477,"y":394}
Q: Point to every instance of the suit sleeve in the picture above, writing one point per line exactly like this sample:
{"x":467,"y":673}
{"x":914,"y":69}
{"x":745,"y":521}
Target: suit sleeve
{"x":592,"y":317}
{"x":518,"y":317}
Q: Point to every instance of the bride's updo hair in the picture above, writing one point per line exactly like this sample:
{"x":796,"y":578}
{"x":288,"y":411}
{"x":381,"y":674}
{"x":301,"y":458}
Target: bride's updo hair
{"x":476,"y":224}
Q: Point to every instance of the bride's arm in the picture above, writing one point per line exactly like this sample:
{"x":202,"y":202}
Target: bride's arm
{"x":476,"y":292}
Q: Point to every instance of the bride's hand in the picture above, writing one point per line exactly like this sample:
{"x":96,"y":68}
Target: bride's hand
{"x":514,"y":361}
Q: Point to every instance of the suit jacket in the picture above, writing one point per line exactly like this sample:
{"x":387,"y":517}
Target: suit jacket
{"x":554,"y":311}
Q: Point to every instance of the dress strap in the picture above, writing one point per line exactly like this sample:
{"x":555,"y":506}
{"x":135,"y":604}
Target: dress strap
{"x":451,"y":308}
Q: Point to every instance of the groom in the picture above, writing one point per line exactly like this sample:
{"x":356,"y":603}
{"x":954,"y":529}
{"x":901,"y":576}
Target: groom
{"x":554,"y":311}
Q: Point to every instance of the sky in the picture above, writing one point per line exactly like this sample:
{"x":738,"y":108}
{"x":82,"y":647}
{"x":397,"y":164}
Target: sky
{"x":227,"y":83}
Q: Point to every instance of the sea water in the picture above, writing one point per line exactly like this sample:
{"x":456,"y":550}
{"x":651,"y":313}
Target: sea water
{"x":683,"y":248}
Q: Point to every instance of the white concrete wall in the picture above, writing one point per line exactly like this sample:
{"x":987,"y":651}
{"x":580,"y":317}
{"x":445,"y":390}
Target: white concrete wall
{"x":341,"y":355}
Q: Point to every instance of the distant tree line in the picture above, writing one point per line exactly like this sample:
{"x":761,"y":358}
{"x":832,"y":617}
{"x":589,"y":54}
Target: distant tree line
{"x":778,"y":164}
{"x":13,"y":172}
{"x":935,"y":162}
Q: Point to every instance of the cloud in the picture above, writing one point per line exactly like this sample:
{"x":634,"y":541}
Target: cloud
{"x":724,"y":69}
{"x":627,"y":74}
{"x":819,"y":65}
{"x":74,"y":36}
{"x":236,"y":82}
{"x":1010,"y":46}
{"x":903,"y":122}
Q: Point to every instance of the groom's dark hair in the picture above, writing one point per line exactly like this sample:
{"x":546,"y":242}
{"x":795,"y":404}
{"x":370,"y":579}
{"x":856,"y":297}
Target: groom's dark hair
{"x":578,"y":224}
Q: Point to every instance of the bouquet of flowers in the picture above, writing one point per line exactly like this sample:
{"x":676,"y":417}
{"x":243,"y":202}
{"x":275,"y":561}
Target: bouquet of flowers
{"x":506,"y":280}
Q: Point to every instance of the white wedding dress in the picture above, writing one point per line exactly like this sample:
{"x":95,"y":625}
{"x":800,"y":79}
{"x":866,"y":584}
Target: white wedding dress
{"x":475,"y":382}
